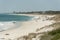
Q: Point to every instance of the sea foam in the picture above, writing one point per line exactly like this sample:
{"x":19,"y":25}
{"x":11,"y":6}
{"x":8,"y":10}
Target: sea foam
{"x":7,"y":25}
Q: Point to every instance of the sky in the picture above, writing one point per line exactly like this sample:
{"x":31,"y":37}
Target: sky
{"x":28,"y":5}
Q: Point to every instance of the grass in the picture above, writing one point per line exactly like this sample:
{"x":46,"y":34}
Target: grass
{"x":54,"y":34}
{"x":57,"y":31}
{"x":56,"y":37}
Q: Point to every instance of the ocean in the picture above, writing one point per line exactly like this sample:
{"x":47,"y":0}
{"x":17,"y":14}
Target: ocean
{"x":10,"y":21}
{"x":10,"y":17}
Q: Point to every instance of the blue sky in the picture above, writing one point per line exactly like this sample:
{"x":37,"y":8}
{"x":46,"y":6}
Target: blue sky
{"x":28,"y":5}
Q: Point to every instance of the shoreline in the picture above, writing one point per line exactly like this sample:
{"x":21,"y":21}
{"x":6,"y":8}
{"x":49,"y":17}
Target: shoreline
{"x":27,"y":27}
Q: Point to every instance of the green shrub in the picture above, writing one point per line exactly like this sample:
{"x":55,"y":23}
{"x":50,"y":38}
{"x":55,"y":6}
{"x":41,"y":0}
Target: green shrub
{"x":54,"y":32}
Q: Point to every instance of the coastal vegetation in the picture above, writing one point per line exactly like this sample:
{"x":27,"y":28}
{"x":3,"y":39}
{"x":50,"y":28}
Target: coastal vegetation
{"x":49,"y":35}
{"x":54,"y":34}
{"x":39,"y":12}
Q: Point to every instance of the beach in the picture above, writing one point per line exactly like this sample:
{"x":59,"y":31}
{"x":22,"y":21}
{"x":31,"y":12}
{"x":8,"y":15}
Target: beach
{"x":27,"y":27}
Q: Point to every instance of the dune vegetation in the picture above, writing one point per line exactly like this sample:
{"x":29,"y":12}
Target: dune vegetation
{"x":54,"y":34}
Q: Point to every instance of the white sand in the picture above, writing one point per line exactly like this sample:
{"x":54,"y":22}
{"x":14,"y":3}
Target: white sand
{"x":27,"y":27}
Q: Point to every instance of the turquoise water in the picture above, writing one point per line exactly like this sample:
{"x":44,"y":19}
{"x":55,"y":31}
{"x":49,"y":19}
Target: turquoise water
{"x":9,"y":21}
{"x":8,"y":17}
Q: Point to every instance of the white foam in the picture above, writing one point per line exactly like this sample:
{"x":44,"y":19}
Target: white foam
{"x":6,"y":25}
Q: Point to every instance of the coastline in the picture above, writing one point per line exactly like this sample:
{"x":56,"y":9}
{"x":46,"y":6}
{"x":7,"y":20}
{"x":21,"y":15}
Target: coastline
{"x":27,"y":27}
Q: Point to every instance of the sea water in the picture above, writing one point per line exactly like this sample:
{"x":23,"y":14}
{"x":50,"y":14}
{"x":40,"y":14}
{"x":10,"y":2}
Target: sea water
{"x":8,"y":21}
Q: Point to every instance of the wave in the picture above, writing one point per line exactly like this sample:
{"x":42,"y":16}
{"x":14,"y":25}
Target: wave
{"x":8,"y":25}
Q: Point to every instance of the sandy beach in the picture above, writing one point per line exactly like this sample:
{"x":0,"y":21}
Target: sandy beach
{"x":27,"y":27}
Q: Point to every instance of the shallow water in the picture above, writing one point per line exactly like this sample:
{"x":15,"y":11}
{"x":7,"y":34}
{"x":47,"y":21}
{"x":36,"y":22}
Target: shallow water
{"x":8,"y":21}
